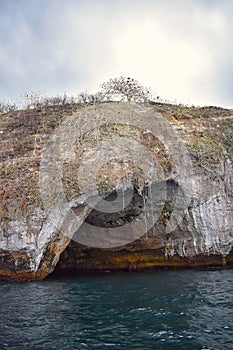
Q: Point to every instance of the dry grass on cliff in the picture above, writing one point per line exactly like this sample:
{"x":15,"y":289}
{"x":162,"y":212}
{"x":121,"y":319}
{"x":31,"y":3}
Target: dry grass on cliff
{"x":207,"y":132}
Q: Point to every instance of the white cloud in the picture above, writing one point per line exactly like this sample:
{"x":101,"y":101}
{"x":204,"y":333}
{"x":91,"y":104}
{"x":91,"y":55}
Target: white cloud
{"x":181,"y":49}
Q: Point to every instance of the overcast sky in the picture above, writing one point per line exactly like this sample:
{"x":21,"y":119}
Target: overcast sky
{"x":181,"y":49}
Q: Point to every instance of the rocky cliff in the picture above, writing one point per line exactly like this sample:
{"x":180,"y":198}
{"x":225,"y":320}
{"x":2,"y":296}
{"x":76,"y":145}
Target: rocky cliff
{"x":114,"y":186}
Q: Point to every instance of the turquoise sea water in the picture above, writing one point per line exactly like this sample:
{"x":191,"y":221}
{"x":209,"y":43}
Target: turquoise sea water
{"x":178,"y":310}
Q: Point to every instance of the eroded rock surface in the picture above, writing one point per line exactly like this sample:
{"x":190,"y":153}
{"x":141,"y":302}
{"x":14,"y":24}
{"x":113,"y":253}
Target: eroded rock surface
{"x":176,"y":161}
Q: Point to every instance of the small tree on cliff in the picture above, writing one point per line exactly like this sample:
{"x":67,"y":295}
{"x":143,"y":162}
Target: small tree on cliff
{"x":125,"y":89}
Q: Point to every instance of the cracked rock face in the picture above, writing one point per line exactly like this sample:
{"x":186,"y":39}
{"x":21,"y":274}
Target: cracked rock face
{"x":115,"y":186}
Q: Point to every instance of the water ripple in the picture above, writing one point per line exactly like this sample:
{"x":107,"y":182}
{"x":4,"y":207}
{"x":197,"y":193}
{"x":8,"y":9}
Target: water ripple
{"x":160,"y":310}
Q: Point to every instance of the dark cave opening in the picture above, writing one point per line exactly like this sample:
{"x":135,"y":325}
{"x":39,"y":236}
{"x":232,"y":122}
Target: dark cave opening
{"x":77,"y":258}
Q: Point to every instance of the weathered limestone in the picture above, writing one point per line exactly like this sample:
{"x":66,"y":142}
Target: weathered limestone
{"x":180,"y":213}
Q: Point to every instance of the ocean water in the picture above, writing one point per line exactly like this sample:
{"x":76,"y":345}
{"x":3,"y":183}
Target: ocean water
{"x":169,"y":310}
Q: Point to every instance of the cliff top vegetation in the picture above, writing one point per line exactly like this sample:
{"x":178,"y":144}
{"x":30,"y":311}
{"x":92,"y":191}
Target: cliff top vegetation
{"x":206,"y":131}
